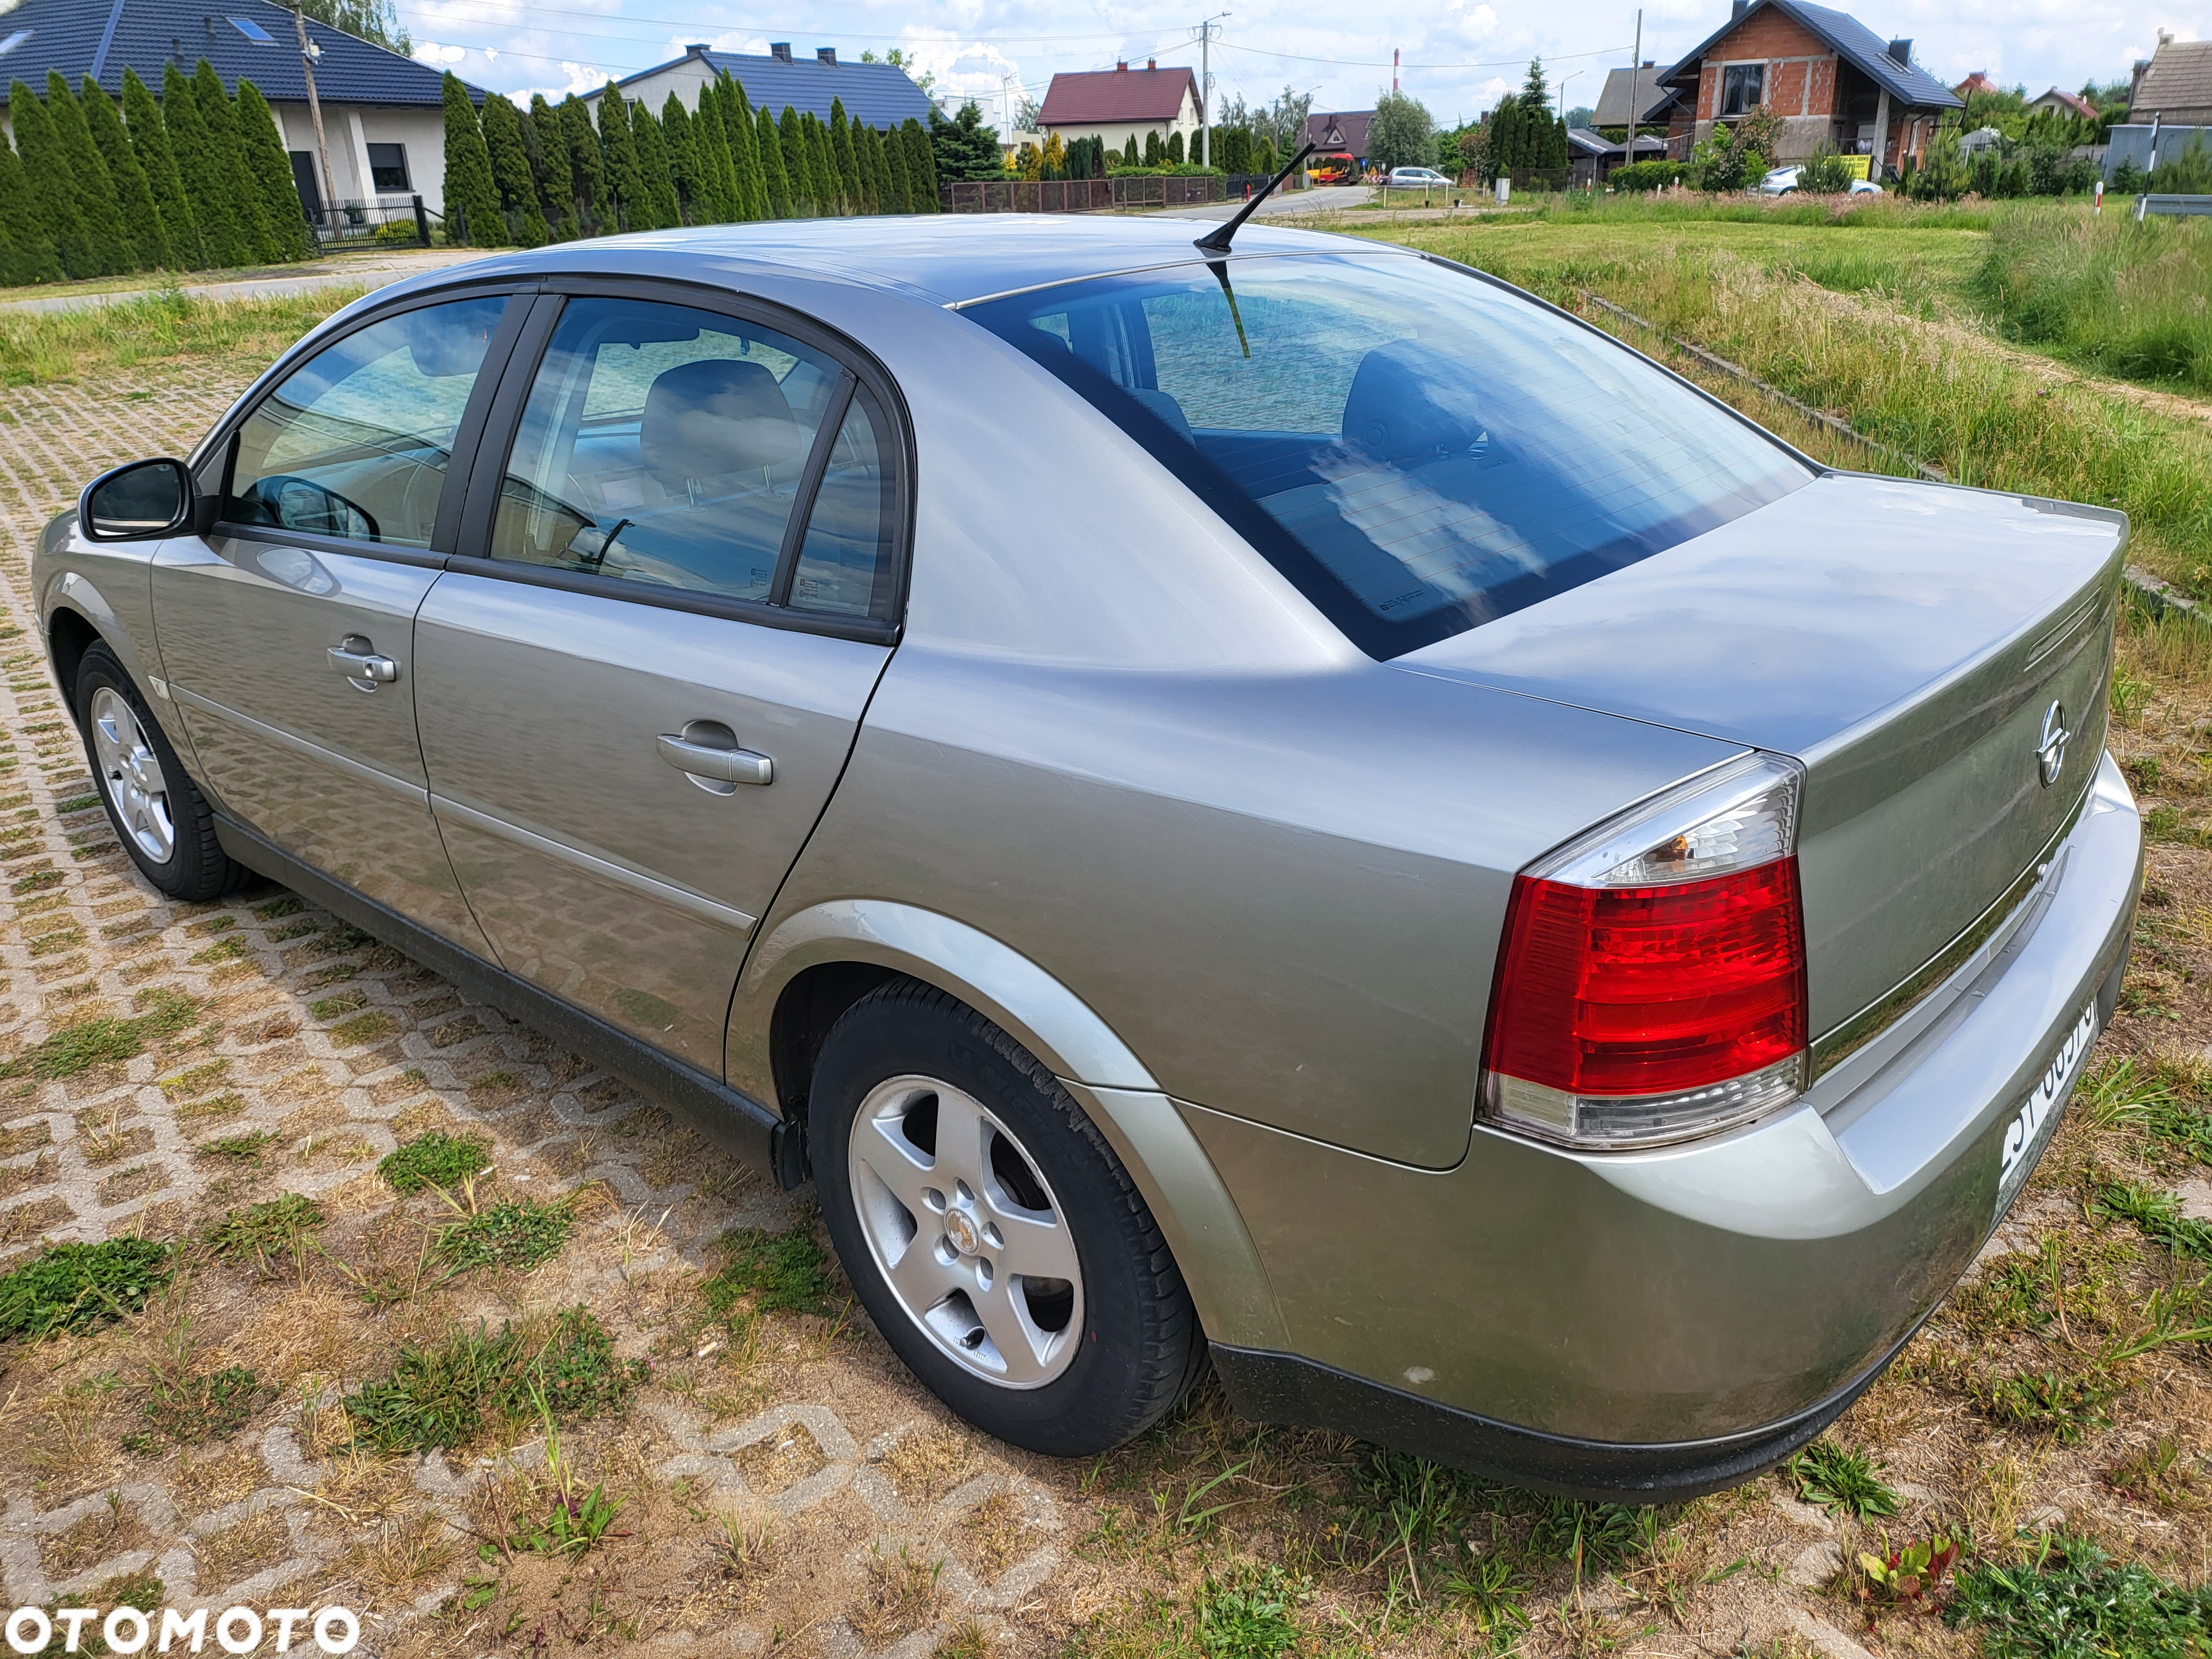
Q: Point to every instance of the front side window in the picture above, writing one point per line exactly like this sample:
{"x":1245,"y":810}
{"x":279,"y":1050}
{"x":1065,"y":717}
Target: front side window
{"x":387,"y":167}
{"x":356,"y":441}
{"x":672,"y":447}
{"x":1742,"y":86}
{"x":1418,"y":450}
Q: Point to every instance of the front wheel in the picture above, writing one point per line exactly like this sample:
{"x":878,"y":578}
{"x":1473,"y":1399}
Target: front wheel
{"x":990,"y":1231}
{"x":159,"y":813}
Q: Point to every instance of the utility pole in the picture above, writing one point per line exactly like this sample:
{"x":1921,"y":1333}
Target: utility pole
{"x":1635,"y":68}
{"x":1394,"y":55}
{"x":1205,"y":89}
{"x":309,"y":51}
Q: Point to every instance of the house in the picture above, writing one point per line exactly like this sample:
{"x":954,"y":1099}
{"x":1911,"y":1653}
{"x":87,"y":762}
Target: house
{"x":2175,"y":84}
{"x":875,"y":94}
{"x":1120,"y":103}
{"x":1339,"y":132}
{"x":2055,"y":102}
{"x":1833,"y":81}
{"x":1627,"y":90}
{"x":1977,"y":82}
{"x":383,"y":114}
{"x":1592,"y":157}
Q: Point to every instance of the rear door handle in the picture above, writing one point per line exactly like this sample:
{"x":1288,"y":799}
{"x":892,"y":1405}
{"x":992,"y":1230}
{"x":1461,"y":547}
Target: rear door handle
{"x":364,"y":663}
{"x":702,"y":760}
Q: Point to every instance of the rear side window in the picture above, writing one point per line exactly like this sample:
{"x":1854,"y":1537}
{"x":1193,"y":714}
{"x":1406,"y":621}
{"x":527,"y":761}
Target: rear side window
{"x":1418,"y":450}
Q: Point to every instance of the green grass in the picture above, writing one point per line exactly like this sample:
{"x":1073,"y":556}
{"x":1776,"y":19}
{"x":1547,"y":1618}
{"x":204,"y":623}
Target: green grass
{"x":40,"y":347}
{"x":211,"y":1408}
{"x":106,"y":1041}
{"x":771,"y":1273}
{"x":434,"y":1159}
{"x":2112,"y":295}
{"x":2074,"y":1604}
{"x":1845,"y":1481}
{"x":1249,"y":1614}
{"x":2158,"y":1215}
{"x":517,"y":1235}
{"x":448,"y":1393}
{"x":278,"y":1227}
{"x":244,"y":1149}
{"x":72,"y":1287}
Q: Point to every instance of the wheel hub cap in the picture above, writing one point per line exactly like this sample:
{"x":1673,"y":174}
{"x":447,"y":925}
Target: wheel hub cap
{"x":130,"y":776}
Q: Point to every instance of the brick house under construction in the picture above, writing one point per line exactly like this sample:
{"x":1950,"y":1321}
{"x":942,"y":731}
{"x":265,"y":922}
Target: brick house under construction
{"x":1832,"y":80}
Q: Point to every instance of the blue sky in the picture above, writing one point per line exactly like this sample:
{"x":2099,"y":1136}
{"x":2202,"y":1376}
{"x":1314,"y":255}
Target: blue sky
{"x":1458,"y":54}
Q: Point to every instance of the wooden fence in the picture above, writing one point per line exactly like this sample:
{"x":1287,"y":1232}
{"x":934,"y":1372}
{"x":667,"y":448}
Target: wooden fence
{"x":1084,"y":195}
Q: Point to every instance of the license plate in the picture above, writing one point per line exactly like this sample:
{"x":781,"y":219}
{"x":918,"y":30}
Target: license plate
{"x":2037,"y":1117}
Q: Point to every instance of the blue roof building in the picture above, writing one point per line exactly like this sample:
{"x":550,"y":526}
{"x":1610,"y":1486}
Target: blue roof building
{"x":876,"y":94}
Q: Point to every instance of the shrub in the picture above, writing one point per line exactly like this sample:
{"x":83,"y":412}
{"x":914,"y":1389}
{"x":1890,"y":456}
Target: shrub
{"x":1824,"y":174}
{"x":1639,"y":176}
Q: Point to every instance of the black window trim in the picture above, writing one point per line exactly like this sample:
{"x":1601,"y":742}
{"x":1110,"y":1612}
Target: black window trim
{"x":503,"y":421}
{"x":218,"y":454}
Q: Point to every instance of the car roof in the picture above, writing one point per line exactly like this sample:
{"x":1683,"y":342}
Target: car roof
{"x":948,"y":259}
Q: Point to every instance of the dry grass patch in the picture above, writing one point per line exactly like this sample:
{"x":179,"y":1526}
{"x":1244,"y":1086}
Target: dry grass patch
{"x":902,"y":1594}
{"x":206,"y":1483}
{"x":779,"y":1461}
{"x":242,"y":1549}
{"x":399,"y":1562}
{"x":928,"y":1463}
{"x":107,"y":1533}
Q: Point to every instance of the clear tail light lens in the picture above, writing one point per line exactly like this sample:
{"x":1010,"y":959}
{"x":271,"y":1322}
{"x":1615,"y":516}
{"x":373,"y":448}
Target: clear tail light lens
{"x":1650,"y":986}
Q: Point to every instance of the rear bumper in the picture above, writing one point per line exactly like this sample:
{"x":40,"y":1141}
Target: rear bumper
{"x":1669,"y":1322}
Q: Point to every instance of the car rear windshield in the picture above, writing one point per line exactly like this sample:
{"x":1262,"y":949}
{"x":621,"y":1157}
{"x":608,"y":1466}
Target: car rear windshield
{"x":1417,"y":448}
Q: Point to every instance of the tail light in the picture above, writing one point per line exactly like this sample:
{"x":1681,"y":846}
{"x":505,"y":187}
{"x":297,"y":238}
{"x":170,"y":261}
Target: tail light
{"x":1651,"y":986}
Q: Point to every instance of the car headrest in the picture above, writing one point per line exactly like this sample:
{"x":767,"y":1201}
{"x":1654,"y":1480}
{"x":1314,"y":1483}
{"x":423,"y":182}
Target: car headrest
{"x":1400,"y":409}
{"x":714,"y":416}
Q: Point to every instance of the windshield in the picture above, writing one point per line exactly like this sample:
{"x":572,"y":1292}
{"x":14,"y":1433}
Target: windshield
{"x":1418,"y":450}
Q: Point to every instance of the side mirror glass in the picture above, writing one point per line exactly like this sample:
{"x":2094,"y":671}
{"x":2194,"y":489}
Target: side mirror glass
{"x":137,"y":502}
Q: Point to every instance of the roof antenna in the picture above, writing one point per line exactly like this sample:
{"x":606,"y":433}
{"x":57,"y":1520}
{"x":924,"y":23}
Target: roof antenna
{"x":1217,"y":241}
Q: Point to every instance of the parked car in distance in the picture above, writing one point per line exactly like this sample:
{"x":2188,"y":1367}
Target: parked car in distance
{"x":1781,"y":181}
{"x":1423,"y":858}
{"x":1417,"y":178}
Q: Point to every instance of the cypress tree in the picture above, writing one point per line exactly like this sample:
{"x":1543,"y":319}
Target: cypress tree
{"x":108,"y":242}
{"x":922,"y":169}
{"x":556,"y":172}
{"x":254,"y":240}
{"x":694,"y":188}
{"x":207,"y":187}
{"x":718,"y":152}
{"x":656,"y":166}
{"x":776,"y":181}
{"x":280,"y":206}
{"x":845,"y":160}
{"x":150,"y":144}
{"x":894,"y":163}
{"x":748,"y":184}
{"x":46,"y":176}
{"x":510,"y":157}
{"x":829,"y":190}
{"x":27,"y":253}
{"x":791,"y":140}
{"x":149,"y":243}
{"x":883,"y":197}
{"x":618,"y":145}
{"x":473,"y":215}
{"x":588,"y":167}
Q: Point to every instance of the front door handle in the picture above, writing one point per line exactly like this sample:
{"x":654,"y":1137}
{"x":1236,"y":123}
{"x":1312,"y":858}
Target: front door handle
{"x":701,"y":760}
{"x":357,"y":660}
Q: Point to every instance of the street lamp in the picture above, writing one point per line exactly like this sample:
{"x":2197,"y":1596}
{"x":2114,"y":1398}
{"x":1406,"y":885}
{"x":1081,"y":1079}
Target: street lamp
{"x":1563,"y":95}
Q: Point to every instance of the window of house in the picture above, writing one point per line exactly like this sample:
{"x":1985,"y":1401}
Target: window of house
{"x":1742,"y":87}
{"x":253,"y":31}
{"x":387,"y":167}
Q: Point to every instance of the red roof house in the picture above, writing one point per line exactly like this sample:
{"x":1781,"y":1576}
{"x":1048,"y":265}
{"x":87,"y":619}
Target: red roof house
{"x":1121,"y":103}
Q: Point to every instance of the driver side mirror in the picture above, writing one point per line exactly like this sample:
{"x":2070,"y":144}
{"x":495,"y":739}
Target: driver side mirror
{"x":141,"y":502}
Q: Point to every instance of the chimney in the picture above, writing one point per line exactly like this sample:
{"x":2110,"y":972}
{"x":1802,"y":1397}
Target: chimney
{"x":826,"y":55}
{"x":1648,"y":64}
{"x":1900,"y":51}
{"x":697,"y":49}
{"x":1152,"y":62}
{"x":1121,"y":66}
{"x":781,"y":50}
{"x":1736,"y":11}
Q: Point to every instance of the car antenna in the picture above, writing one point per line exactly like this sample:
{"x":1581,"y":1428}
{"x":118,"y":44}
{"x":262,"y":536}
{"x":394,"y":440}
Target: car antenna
{"x":1217,"y":241}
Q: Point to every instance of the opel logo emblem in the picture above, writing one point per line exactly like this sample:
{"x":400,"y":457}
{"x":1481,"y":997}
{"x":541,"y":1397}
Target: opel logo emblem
{"x":2051,"y":747}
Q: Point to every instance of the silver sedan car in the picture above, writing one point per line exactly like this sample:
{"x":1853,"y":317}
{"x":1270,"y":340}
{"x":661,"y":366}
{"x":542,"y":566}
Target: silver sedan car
{"x":1291,"y":807}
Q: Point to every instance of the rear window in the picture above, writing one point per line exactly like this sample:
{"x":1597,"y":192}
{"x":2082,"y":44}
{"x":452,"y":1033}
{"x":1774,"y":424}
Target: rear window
{"x":1418,"y":450}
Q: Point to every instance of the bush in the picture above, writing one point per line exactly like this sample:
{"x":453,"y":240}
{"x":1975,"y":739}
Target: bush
{"x":1824,"y":174}
{"x":1639,"y":176}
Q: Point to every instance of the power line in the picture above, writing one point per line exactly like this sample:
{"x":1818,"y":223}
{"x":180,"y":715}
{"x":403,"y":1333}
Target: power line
{"x":1359,"y":63}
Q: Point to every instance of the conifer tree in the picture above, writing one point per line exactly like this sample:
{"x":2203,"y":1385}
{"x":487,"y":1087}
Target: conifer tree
{"x":254,"y":241}
{"x":269,"y":167}
{"x":920,"y":169}
{"x":798,"y":172}
{"x":149,"y":143}
{"x":694,"y":190}
{"x":46,"y":176}
{"x":149,"y":243}
{"x":719,"y":151}
{"x":1129,"y":155}
{"x":508,"y":153}
{"x":110,"y":245}
{"x":588,"y":181}
{"x":776,"y":181}
{"x":223,"y":240}
{"x":748,"y":184}
{"x":27,"y":253}
{"x":656,"y":166}
{"x":828,"y":189}
{"x":473,"y":215}
{"x":894,"y":164}
{"x":619,"y":147}
{"x":883,"y":195}
{"x":846,"y":160}
{"x":556,"y":172}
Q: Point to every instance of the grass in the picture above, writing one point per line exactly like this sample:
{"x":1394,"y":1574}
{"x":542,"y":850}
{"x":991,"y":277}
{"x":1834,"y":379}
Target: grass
{"x":1847,"y":1482}
{"x":766,"y":1272}
{"x":2073,"y":1602}
{"x":105,"y":1040}
{"x":516,"y":1236}
{"x":2112,"y":295}
{"x":227,"y":336}
{"x":278,"y":1227}
{"x":191,"y":1409}
{"x":72,"y":1287}
{"x":434,"y":1159}
{"x":448,"y":1392}
{"x":2158,"y":1215}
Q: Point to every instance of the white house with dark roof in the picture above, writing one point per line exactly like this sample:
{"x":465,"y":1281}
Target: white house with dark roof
{"x":383,"y":113}
{"x":879,"y":95}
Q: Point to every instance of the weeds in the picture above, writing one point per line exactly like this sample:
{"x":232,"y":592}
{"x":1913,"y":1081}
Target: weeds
{"x":2071,"y":1603}
{"x":766,"y":1272}
{"x":578,"y":1519}
{"x":1845,"y":1481}
{"x":2157,"y":1215}
{"x":1910,"y":1576}
{"x":1492,"y":1593}
{"x":278,"y":1227}
{"x":434,"y":1159}
{"x":1250,"y":1615}
{"x":190,"y":1410}
{"x":106,"y":1041}
{"x":2161,"y":1475}
{"x":242,"y":1149}
{"x":73,"y":1286}
{"x":446,"y":1393}
{"x":517,"y":1235}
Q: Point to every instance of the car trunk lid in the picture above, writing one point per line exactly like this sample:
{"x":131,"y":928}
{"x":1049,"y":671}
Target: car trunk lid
{"x":1915,"y":647}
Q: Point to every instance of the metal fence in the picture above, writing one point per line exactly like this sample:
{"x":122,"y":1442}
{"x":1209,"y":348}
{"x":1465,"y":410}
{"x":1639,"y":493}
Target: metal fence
{"x":1082,"y":195}
{"x":2133,"y":144}
{"x":366,"y":224}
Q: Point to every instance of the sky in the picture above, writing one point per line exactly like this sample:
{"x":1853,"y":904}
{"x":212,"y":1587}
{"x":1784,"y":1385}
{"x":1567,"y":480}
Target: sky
{"x":1456,"y":55}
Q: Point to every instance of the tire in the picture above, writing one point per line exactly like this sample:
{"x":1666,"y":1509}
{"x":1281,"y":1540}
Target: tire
{"x":158,"y":812}
{"x":916,"y":1094}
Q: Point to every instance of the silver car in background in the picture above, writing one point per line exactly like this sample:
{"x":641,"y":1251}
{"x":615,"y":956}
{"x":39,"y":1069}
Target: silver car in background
{"x":1295,"y":806}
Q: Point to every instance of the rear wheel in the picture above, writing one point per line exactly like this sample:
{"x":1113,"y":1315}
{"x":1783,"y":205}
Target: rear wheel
{"x":990,"y":1231}
{"x":159,"y":814}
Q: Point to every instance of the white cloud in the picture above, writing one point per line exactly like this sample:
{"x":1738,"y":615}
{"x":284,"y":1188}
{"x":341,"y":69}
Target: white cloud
{"x":430,"y":52}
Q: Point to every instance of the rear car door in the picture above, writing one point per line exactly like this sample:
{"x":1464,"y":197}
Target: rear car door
{"x":645,"y":666}
{"x":286,"y":633}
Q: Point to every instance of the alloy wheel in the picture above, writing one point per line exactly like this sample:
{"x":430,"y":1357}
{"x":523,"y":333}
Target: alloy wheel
{"x":131,"y":774}
{"x":966,"y":1230}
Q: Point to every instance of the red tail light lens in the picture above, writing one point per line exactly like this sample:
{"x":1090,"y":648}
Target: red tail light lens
{"x":1647,"y":1011}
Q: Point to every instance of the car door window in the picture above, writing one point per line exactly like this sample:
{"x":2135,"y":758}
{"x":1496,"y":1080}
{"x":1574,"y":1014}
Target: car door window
{"x":669,"y":445}
{"x":356,"y":441}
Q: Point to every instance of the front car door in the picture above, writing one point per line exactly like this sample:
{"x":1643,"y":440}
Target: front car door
{"x":644,"y":670}
{"x":286,"y":633}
